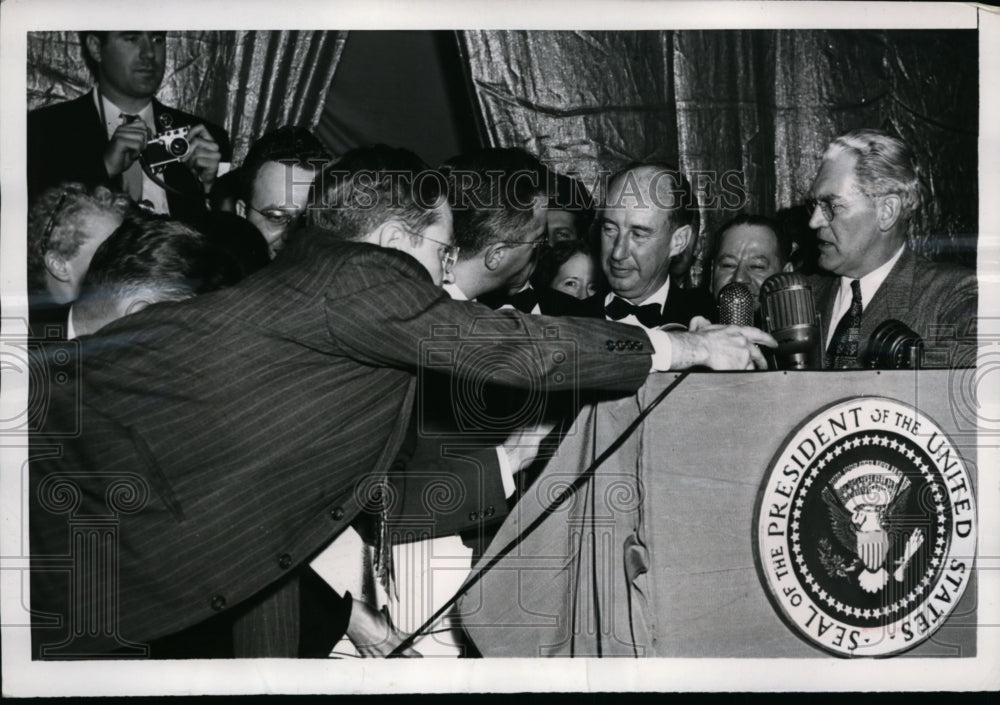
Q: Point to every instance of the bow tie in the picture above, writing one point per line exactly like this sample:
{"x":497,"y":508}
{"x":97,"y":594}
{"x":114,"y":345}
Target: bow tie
{"x":647,"y":314}
{"x":524,"y":301}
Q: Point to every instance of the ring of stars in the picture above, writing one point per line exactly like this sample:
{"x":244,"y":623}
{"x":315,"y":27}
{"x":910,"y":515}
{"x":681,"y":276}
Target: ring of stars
{"x":811,"y":475}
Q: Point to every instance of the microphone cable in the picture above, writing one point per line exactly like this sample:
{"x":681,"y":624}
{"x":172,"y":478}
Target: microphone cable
{"x":579,"y":482}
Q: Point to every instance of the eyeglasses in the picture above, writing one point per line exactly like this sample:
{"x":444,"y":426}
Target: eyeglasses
{"x":449,"y":255}
{"x":823,"y":204}
{"x":277,"y":216}
{"x":50,"y":224}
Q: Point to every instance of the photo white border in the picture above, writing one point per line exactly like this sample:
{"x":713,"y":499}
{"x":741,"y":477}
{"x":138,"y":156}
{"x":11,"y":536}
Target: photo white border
{"x":23,"y":677}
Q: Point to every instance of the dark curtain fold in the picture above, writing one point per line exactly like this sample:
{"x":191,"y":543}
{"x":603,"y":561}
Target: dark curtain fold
{"x":762,"y":103}
{"x":248,"y":81}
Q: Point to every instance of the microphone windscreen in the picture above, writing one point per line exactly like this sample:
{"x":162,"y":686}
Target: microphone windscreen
{"x":736,"y":305}
{"x":789,"y":314}
{"x":892,"y":346}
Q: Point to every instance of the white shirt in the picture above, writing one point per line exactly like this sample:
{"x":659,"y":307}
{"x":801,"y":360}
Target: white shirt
{"x":869,"y":285}
{"x":70,"y":331}
{"x":662,"y":346}
{"x":153,"y":194}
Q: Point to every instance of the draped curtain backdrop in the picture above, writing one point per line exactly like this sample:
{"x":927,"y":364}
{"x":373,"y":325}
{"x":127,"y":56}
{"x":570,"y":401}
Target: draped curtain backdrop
{"x":250,"y":82}
{"x":762,"y":103}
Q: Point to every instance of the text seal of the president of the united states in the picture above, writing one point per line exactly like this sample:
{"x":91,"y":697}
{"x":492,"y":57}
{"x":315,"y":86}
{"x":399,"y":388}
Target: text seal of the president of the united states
{"x":866,"y":528}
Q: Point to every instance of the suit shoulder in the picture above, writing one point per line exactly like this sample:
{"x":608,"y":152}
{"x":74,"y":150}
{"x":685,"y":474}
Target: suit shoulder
{"x":61,"y":111}
{"x":940,"y":275}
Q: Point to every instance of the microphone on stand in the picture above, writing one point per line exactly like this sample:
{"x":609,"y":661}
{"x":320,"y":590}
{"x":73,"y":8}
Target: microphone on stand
{"x":736,"y":305}
{"x":893,"y":346}
{"x":789,"y":314}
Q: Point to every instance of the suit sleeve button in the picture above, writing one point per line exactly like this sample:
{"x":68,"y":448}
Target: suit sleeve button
{"x":218,"y":603}
{"x":490,"y":511}
{"x":473,"y":516}
{"x":337,"y":513}
{"x":610,"y":345}
{"x":284,"y":561}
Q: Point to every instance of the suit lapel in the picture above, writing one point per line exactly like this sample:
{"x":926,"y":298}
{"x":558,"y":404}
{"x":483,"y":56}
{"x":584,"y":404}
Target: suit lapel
{"x":892,"y":299}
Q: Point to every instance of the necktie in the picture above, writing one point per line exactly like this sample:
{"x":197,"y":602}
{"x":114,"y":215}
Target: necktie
{"x":132,"y":177}
{"x":843,"y":351}
{"x":648,"y":314}
{"x":524,"y":301}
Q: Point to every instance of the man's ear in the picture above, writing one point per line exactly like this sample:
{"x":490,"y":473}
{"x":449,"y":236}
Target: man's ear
{"x":94,"y":47}
{"x":494,"y":256}
{"x":391,"y":235}
{"x":680,"y":239}
{"x":57,"y":266}
{"x":787,"y":267}
{"x":887,"y":211}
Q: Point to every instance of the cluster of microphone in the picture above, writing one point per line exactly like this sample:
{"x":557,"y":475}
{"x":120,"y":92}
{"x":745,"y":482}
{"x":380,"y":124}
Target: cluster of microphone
{"x":788,"y":312}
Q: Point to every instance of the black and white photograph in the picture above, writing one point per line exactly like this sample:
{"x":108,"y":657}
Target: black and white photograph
{"x":444,"y":347}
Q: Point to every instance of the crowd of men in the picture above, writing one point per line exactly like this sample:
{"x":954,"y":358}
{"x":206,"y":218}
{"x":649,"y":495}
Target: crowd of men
{"x":281,"y":356}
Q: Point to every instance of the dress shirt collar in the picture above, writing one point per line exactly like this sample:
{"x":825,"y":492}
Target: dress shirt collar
{"x":455,"y":293}
{"x":70,"y":331}
{"x":112,"y":113}
{"x":657,"y":297}
{"x":869,"y":283}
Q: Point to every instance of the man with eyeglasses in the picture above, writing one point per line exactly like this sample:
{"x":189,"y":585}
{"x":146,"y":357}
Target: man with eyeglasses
{"x":865,"y":202}
{"x":275,"y":179}
{"x":99,"y":137}
{"x":257,"y":421}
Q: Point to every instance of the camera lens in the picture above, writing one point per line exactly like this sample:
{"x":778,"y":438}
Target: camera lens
{"x":179,"y":147}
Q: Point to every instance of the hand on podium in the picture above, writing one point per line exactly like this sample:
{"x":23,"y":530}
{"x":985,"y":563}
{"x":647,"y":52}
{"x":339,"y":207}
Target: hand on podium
{"x":719,"y":347}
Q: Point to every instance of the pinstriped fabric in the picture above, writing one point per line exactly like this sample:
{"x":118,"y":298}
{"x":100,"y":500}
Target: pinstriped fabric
{"x":258,"y":413}
{"x":937,"y":301}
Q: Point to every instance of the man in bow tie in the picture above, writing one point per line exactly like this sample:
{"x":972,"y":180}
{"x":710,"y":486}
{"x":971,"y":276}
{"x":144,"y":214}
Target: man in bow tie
{"x":648,"y":217}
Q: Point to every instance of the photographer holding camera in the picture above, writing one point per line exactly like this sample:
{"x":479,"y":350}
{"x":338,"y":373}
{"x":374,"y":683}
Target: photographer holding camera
{"x":119,"y":135}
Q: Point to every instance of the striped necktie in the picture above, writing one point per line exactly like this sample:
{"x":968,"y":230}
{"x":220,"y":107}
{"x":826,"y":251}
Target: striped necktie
{"x":842,"y":353}
{"x":132,"y":177}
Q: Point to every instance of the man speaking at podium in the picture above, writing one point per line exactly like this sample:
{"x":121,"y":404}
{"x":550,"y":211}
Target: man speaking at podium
{"x":865,"y":202}
{"x":248,"y":424}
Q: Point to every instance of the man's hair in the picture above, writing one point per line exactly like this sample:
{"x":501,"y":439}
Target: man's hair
{"x":783,"y":241}
{"x":370,"y":186}
{"x":493,"y":193}
{"x":155,"y":256}
{"x":683,"y":203}
{"x":570,"y":195}
{"x":87,"y":58}
{"x":237,"y":238}
{"x":56,"y":222}
{"x":884,"y":165}
{"x":290,"y":144}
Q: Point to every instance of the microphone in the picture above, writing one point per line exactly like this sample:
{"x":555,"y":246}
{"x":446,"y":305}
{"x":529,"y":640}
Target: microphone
{"x":789,"y":314}
{"x":893,"y":346}
{"x":736,"y":305}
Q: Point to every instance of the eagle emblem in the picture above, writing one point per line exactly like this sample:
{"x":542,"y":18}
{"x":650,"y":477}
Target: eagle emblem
{"x":864,"y":501}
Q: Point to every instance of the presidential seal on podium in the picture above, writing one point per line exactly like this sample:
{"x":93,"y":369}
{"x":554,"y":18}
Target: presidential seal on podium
{"x":865,"y":528}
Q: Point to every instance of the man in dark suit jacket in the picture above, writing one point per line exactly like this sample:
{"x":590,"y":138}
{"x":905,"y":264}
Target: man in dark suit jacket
{"x":96,"y":138}
{"x":865,"y":200}
{"x":225,"y":440}
{"x":648,"y":218}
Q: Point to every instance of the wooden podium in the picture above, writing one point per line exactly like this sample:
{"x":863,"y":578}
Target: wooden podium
{"x":655,"y":554}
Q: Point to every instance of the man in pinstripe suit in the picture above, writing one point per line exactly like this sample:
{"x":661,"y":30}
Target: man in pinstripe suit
{"x":247,"y":426}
